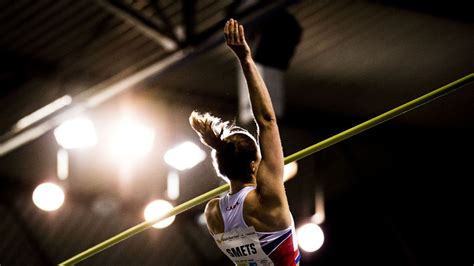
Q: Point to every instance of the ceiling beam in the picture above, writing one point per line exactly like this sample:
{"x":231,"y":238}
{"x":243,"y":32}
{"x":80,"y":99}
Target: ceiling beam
{"x":189,"y":10}
{"x":169,"y":43}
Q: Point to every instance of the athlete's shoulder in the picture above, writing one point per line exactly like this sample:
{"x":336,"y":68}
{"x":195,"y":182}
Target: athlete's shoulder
{"x":212,"y":208}
{"x":214,"y":220}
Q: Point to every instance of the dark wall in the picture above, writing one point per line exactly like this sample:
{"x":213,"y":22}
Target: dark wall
{"x":396,"y":196}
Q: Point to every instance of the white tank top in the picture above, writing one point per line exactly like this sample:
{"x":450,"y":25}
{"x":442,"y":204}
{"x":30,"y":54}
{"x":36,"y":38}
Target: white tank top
{"x":244,"y":246}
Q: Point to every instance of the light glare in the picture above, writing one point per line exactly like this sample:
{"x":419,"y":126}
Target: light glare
{"x":156,"y":209}
{"x":131,"y":140}
{"x":62,"y":161}
{"x":290,"y":171}
{"x":172,"y":185}
{"x":48,"y":197}
{"x":318,"y":218}
{"x":184,"y":156}
{"x":310,"y":237}
{"x":76,"y":133}
{"x":43,"y":112}
{"x":201,"y":219}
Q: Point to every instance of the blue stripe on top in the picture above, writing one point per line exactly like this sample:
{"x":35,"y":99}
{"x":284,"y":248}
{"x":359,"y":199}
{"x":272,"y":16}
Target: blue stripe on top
{"x":269,"y":247}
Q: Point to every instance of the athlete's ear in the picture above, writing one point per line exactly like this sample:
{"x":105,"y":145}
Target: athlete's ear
{"x":253,"y":166}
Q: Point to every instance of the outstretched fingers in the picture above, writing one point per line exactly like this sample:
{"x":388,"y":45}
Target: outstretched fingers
{"x":241,"y":34}
{"x":234,"y":33}
{"x":226,"y":32}
{"x":231,"y":31}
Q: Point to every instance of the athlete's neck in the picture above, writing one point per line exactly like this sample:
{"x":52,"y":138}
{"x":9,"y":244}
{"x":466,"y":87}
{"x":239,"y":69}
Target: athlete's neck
{"x":236,"y":186}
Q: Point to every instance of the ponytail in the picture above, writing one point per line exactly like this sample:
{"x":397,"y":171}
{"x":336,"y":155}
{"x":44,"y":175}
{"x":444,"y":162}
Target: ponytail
{"x":233,"y":148}
{"x":209,"y":128}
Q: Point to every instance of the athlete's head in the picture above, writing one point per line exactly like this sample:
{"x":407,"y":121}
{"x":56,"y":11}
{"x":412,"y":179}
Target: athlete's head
{"x":235,"y":152}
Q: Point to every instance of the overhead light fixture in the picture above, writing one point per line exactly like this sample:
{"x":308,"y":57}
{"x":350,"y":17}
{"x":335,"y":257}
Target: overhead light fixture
{"x":184,"y":156}
{"x":48,"y":197}
{"x":310,"y":237}
{"x":62,"y":164}
{"x":290,"y":170}
{"x":319,"y":212}
{"x":43,"y":112}
{"x":131,"y":140}
{"x":76,"y":133}
{"x":156,"y":209}
{"x":201,"y":219}
{"x":172,"y":185}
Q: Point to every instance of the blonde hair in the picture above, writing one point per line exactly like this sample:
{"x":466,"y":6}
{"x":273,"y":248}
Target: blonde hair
{"x":233,"y":147}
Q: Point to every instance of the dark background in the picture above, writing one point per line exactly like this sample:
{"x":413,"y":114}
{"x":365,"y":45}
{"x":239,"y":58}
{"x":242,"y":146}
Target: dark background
{"x":397,"y":194}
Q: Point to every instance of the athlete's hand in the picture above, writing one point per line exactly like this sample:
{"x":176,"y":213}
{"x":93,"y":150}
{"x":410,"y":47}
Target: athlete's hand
{"x":235,"y":39}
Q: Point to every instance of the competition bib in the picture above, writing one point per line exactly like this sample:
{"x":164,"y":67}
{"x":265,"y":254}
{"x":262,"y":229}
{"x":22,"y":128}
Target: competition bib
{"x":242,"y":246}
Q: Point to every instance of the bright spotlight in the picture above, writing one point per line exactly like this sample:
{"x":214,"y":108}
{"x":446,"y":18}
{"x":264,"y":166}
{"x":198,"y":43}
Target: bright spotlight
{"x":184,"y":156}
{"x":318,"y":218}
{"x":156,"y":209}
{"x":290,"y":171}
{"x":201,"y":219}
{"x":62,"y":164}
{"x":310,"y":237}
{"x":131,"y":140}
{"x":76,"y":133}
{"x":172,"y":183}
{"x":48,"y":197}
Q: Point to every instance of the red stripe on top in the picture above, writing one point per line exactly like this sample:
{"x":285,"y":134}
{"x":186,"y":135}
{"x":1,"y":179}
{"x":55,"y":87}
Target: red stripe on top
{"x":285,"y":253}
